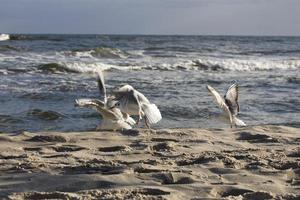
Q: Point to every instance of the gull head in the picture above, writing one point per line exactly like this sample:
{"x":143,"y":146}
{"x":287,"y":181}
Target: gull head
{"x":124,"y":88}
{"x":80,"y":102}
{"x":112,"y":103}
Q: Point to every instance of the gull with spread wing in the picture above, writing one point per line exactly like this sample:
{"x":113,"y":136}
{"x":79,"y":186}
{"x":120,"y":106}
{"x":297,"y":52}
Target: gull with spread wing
{"x":132,"y":102}
{"x":229,"y":104}
{"x":112,"y":117}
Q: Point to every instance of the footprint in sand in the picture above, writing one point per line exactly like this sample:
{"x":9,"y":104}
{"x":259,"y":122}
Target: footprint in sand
{"x":33,"y":149}
{"x":94,"y":169}
{"x":164,"y":146}
{"x":256,"y":138}
{"x":173,"y":178}
{"x":68,"y":148}
{"x":233,"y":191}
{"x":115,"y":149}
{"x":48,"y":138}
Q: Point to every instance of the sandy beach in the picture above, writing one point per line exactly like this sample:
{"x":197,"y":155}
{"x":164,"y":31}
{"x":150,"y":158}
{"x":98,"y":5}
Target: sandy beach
{"x":259,"y":162}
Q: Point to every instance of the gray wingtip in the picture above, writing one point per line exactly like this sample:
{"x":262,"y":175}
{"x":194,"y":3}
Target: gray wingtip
{"x":76,"y":103}
{"x":208,"y":87}
{"x":234,"y":83}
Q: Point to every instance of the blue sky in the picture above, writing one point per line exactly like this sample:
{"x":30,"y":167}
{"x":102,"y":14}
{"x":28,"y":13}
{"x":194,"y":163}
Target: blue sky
{"x":195,"y":17}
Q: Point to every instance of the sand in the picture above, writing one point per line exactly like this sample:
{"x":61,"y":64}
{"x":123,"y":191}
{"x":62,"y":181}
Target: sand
{"x":260,"y":162}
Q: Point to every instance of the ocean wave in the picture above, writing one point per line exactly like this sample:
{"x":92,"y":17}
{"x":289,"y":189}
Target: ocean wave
{"x":3,"y":71}
{"x":101,"y":52}
{"x":5,"y":48}
{"x":171,"y":48}
{"x":188,"y":112}
{"x":44,"y":115}
{"x":80,"y":67}
{"x":8,"y":120}
{"x":54,"y":68}
{"x":37,"y":37}
{"x":245,"y":65}
{"x":293,"y":79}
{"x":197,"y":65}
{"x":271,"y":52}
{"x":16,"y":70}
{"x":94,"y":67}
{"x":86,"y":63}
{"x":20,"y":37}
{"x":214,"y":64}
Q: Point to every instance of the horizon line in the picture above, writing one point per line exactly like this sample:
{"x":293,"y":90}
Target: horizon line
{"x":156,"y":34}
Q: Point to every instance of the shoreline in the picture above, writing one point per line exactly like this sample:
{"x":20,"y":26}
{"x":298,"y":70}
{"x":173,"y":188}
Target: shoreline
{"x":257,"y":162}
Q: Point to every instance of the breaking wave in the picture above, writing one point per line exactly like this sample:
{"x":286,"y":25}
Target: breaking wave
{"x":293,"y":79}
{"x":54,"y":68}
{"x":190,"y":65}
{"x":225,"y":65}
{"x":245,"y":65}
{"x":100,"y":52}
{"x":44,"y":115}
{"x":5,"y":48}
{"x":79,"y":67}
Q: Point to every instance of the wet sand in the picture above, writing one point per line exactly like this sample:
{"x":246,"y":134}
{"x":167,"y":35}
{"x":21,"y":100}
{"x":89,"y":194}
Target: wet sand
{"x":260,"y":162}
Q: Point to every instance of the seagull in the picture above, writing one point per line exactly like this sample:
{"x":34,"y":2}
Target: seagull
{"x":229,"y":104}
{"x":109,"y":100}
{"x":132,"y":102}
{"x":113,"y":118}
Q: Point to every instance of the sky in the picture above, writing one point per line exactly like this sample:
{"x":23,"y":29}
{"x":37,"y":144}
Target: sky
{"x":187,"y":17}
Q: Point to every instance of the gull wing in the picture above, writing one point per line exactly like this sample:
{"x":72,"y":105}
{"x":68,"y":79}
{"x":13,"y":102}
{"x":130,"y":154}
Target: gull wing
{"x":98,"y":106}
{"x":128,"y":100}
{"x":152,"y":113}
{"x":89,"y":103}
{"x":231,"y":99}
{"x":101,"y":85}
{"x":220,"y":101}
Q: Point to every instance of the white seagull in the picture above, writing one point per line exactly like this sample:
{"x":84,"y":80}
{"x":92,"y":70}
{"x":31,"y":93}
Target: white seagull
{"x":112,"y":117}
{"x":229,"y":104}
{"x":132,"y":102}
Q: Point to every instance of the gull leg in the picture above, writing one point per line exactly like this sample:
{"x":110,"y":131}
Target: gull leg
{"x":146,"y":123}
{"x":98,"y":128}
{"x":138,"y":120}
{"x":148,"y":126}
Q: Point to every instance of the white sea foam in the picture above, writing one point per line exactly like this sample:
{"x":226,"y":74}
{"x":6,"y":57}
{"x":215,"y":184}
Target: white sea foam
{"x":94,"y":67}
{"x":247,"y":64}
{"x":216,"y":64}
{"x":99,"y":52}
{"x":84,"y":62}
{"x":3,"y":71}
{"x":82,"y":54}
{"x":4,"y":37}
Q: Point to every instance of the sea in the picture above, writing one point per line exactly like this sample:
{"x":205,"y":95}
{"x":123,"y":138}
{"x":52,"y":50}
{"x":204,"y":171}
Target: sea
{"x":42,"y":75}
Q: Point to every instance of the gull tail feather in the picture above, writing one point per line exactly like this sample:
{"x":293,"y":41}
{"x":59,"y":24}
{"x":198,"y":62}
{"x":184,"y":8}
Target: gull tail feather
{"x":238,"y":122}
{"x":152,"y":113}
